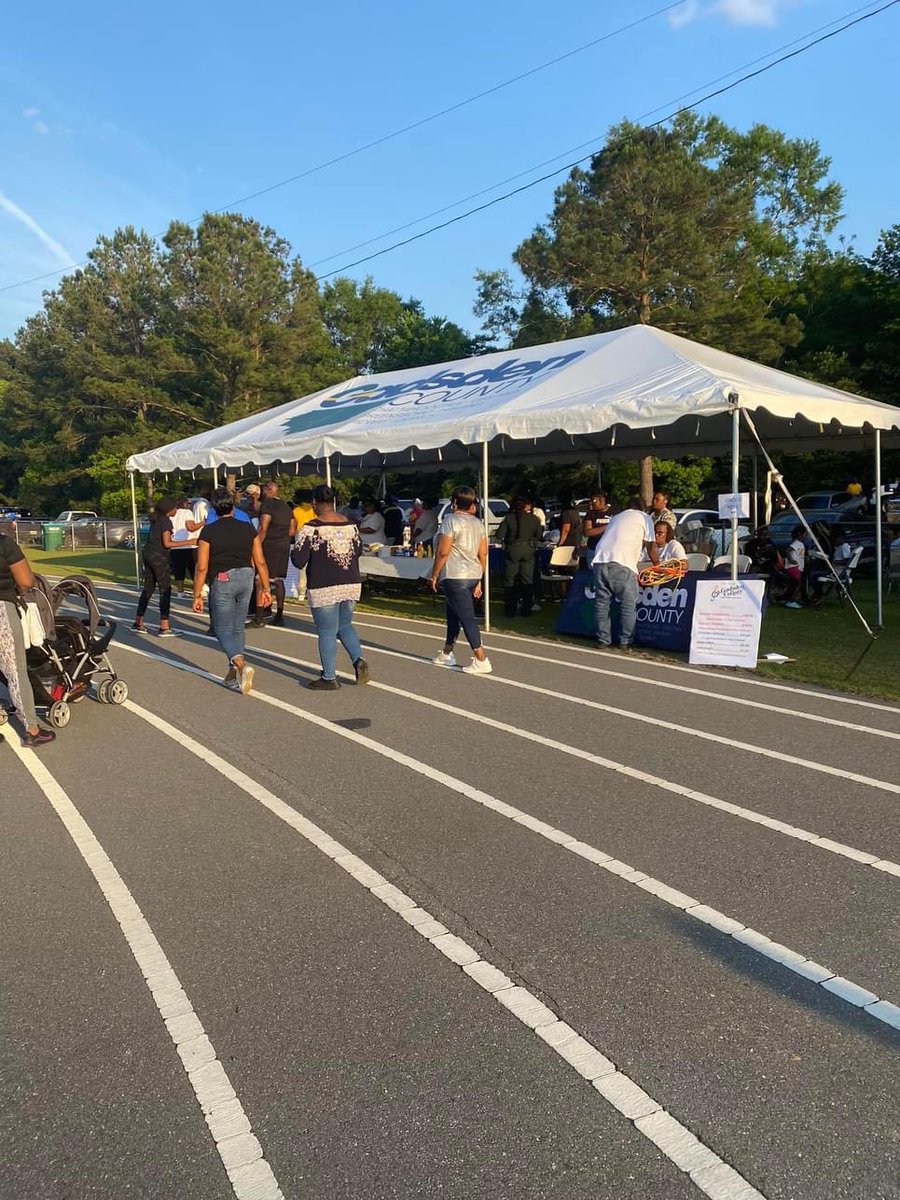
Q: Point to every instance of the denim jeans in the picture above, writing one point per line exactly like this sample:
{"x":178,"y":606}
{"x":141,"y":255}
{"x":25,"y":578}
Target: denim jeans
{"x":333,"y":622}
{"x":461,"y":611}
{"x":612,"y":581}
{"x":229,"y":600}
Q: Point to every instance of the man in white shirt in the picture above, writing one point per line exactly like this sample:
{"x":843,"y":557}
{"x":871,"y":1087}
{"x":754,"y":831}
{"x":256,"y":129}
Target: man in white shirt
{"x":629,"y":537}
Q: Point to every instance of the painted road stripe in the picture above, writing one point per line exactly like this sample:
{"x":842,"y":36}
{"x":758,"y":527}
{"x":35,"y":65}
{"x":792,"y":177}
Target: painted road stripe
{"x":569,"y":647}
{"x":863,"y":857}
{"x":643,"y":718}
{"x":735,"y":810}
{"x":702,"y":1165}
{"x":241,"y":1154}
{"x":881,"y":1010}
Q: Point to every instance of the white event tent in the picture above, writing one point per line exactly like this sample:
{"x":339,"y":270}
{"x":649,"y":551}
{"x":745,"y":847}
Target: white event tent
{"x":623,"y":394}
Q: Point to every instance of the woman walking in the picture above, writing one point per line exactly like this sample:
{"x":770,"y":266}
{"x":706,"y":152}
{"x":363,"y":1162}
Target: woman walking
{"x":459,"y":565}
{"x":157,"y":566}
{"x":329,"y":547}
{"x":228,"y":552}
{"x":16,"y":577}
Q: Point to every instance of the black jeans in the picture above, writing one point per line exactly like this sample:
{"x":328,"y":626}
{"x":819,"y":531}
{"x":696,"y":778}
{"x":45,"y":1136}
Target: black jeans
{"x":181,"y":563}
{"x":461,"y":611}
{"x":518,"y":579}
{"x":156,"y":575}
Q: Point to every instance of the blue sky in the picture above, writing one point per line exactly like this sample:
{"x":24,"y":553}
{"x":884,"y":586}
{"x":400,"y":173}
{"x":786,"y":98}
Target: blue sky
{"x":117,"y":114}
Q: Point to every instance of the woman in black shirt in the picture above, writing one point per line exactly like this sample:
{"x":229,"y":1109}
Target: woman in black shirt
{"x":16,"y":577}
{"x":227,"y":552}
{"x":157,"y":566}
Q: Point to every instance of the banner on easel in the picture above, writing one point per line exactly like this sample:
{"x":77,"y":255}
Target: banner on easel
{"x":726,"y":622}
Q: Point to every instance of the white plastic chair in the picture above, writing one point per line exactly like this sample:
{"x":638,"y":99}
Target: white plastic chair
{"x":744,"y":562}
{"x":556,"y":581}
{"x":698,"y":562}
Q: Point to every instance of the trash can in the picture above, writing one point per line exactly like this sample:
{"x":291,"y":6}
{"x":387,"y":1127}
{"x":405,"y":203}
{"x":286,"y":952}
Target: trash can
{"x":53,"y":537}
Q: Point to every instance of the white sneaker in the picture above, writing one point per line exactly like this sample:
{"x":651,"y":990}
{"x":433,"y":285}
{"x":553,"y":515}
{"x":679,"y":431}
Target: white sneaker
{"x":444,"y":660}
{"x":478,"y":667}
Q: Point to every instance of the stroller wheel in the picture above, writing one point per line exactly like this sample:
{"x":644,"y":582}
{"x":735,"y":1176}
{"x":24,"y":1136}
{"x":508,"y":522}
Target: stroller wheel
{"x":4,"y":715}
{"x":59,"y":714}
{"x":103,"y":691}
{"x":118,"y":691}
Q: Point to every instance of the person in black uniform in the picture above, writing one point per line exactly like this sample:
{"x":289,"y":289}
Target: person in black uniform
{"x":157,"y":568}
{"x":276,"y":530}
{"x":520,"y":533}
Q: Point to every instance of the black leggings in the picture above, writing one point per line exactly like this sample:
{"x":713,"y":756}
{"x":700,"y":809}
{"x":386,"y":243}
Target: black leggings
{"x":156,"y":575}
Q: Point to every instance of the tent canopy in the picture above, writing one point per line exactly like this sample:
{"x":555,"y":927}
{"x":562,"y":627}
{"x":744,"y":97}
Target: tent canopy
{"x":622,"y":394}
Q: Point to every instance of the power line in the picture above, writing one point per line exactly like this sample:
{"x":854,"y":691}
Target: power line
{"x":388,"y":137}
{"x":578,"y":161}
{"x":581,"y":145}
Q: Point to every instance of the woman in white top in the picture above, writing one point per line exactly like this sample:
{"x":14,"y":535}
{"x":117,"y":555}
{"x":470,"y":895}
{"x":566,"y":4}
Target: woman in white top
{"x":667,"y":545}
{"x":459,"y":566}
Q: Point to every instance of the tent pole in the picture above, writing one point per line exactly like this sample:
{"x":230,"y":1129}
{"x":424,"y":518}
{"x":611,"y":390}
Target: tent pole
{"x":879,"y":569}
{"x":137,"y":535}
{"x":735,"y":478}
{"x":755,"y":501}
{"x":328,"y":471}
{"x":485,"y":485}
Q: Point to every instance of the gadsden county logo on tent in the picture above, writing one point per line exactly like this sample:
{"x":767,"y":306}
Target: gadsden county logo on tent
{"x":504,"y":380}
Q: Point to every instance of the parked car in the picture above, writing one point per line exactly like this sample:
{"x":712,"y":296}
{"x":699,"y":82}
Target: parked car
{"x":860,"y":531}
{"x":691,"y":518}
{"x":89,"y":531}
{"x":816,"y":501}
{"x":74,"y":514}
{"x":497,"y":511}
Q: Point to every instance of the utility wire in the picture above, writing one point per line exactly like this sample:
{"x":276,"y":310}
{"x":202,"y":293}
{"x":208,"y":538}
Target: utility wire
{"x":578,"y":161}
{"x":388,"y":137}
{"x":581,"y":145}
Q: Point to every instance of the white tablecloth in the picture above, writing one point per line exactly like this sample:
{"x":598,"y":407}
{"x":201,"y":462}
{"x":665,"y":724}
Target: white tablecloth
{"x":395,"y":567}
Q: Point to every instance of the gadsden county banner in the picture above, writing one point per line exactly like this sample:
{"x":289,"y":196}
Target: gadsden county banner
{"x":664,"y":612}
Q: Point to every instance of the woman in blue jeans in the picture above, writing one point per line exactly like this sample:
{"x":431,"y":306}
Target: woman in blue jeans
{"x":227,"y":552}
{"x":329,"y":549}
{"x":459,"y":565}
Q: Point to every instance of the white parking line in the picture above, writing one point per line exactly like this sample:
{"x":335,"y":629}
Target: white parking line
{"x":860,"y":997}
{"x":747,"y":814}
{"x":250,"y":1175}
{"x":571,"y":648}
{"x":646,"y":719}
{"x":702,"y":1165}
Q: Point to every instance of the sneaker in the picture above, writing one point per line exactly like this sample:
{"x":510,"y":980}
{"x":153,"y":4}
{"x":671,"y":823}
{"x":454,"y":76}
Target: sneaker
{"x":245,"y":679}
{"x":167,"y":633}
{"x":138,"y":628}
{"x":478,"y":667}
{"x":42,"y":738}
{"x":625,"y":648}
{"x":233,"y":685}
{"x":278,"y":620}
{"x":230,"y":677}
{"x":793,"y":604}
{"x":323,"y":685}
{"x":444,"y":660}
{"x":209,"y":633}
{"x":602,"y":645}
{"x":535,"y":607}
{"x":361,"y":669}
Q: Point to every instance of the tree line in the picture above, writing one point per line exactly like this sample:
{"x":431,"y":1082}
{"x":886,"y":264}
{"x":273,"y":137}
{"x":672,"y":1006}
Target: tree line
{"x":707,"y":231}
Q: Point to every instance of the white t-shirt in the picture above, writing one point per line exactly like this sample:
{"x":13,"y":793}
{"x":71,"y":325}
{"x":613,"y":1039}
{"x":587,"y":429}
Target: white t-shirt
{"x":797,"y":555}
{"x":201,"y":511}
{"x":623,"y":542}
{"x":375,"y":522}
{"x":179,"y":519}
{"x":673,"y":549}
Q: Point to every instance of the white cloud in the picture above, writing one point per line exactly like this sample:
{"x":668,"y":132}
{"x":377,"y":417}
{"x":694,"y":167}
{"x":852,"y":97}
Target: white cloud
{"x":735,"y":12}
{"x":26,"y":219}
{"x":30,"y":112}
{"x":41,"y":127}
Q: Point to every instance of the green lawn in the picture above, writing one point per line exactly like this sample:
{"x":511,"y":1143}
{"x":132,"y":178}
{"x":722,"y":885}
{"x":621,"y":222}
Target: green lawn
{"x":826,"y":642}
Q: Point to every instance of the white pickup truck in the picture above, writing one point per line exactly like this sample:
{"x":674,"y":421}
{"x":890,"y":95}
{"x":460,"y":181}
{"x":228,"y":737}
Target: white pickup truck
{"x":73,"y":514}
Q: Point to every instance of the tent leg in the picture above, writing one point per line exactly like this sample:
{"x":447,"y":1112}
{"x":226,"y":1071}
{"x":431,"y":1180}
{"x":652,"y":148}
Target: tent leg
{"x":137,"y":534}
{"x":328,"y":471}
{"x":735,"y":479}
{"x":215,"y":478}
{"x":754,"y":511}
{"x":485,"y":485}
{"x":879,"y":568}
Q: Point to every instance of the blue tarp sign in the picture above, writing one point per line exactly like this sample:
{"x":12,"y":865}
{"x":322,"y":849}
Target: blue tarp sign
{"x":664,"y":612}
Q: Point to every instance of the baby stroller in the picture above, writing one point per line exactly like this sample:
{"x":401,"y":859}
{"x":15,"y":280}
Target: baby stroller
{"x":72,"y":655}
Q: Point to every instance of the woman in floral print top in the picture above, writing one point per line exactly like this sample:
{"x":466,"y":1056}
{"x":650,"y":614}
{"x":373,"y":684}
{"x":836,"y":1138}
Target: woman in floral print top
{"x":329,"y":547}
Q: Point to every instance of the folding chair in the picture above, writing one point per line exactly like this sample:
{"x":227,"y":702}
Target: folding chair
{"x":845,"y":574}
{"x":555,"y":580}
